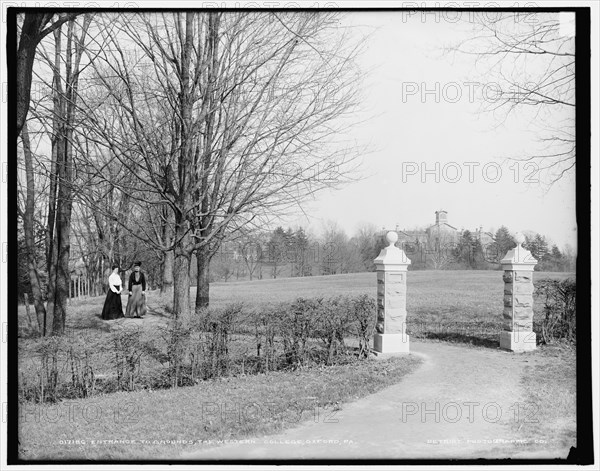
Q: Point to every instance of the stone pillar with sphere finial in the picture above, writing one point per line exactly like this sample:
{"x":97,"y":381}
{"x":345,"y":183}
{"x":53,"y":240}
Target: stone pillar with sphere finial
{"x":518,"y":265}
{"x":392,"y":264}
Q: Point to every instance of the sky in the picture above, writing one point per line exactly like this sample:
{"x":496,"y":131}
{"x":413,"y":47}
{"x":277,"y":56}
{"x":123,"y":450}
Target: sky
{"x":431,"y":147}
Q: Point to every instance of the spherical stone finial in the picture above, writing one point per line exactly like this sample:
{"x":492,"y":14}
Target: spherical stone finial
{"x":519,"y":238}
{"x":391,"y":237}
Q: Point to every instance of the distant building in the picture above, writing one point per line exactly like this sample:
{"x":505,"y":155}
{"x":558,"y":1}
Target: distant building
{"x":439,"y":233}
{"x":433,"y":244}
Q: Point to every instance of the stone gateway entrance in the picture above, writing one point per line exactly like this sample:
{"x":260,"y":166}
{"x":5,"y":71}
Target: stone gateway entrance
{"x":391,"y":336}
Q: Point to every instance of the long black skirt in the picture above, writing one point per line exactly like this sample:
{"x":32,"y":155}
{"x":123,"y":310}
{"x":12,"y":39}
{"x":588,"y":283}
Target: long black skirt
{"x":113,"y":307}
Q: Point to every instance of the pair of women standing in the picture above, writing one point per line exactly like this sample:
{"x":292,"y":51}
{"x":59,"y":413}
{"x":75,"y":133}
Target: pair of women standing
{"x":113,"y":308}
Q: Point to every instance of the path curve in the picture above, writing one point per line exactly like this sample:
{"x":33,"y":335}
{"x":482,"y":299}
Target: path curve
{"x":462,"y":403}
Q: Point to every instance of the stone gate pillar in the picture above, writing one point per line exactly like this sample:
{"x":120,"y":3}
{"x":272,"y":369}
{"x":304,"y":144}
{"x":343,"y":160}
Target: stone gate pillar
{"x":517,"y":334}
{"x":392,"y":264}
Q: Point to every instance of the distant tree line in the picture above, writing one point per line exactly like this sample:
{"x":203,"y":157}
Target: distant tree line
{"x":294,"y":252}
{"x":469,"y":251}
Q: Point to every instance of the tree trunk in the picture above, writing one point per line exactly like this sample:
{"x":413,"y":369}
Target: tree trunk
{"x":30,"y":36}
{"x":202,"y":280}
{"x":181,"y":288}
{"x":32,"y":32}
{"x":62,"y":246}
{"x":57,"y":140}
{"x":28,"y":229}
{"x":59,"y":282}
{"x":167,"y":272}
{"x":28,"y":312}
{"x":183,"y":254}
{"x":166,"y":285}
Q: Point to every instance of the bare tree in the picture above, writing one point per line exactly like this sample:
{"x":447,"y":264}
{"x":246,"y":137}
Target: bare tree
{"x":65,"y":100}
{"x":528,"y":62}
{"x":34,"y":27}
{"x":365,"y":239}
{"x":29,"y":230}
{"x":53,"y":119}
{"x":441,"y":243}
{"x":250,"y":249}
{"x":226,"y":118}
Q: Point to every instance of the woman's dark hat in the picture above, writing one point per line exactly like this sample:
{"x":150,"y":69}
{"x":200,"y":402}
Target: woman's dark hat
{"x":137,"y":264}
{"x":115,"y":266}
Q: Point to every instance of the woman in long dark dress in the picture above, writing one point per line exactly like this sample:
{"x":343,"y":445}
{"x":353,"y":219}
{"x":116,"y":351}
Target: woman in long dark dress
{"x":137,"y":293}
{"x":113,"y":307}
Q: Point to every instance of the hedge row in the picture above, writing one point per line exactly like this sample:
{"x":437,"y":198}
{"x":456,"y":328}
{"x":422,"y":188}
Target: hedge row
{"x":217,"y":343}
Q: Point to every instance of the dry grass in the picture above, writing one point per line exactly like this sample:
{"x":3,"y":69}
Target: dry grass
{"x":227,"y":408}
{"x":550,"y":384}
{"x":472,"y":298}
{"x":440,"y":305}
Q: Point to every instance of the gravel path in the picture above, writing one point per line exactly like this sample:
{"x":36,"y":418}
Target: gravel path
{"x":462,"y":403}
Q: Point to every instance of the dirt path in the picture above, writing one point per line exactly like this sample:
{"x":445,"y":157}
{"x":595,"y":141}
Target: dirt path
{"x":461,"y":403}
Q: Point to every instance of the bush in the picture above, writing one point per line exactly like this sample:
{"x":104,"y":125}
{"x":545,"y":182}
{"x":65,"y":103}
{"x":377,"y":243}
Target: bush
{"x":333,"y":323}
{"x":266,"y":328}
{"x":217,"y":327}
{"x":363,"y":310}
{"x":61,"y":368}
{"x":297,"y":324}
{"x":177,"y":340}
{"x":40,"y":381}
{"x":218,"y":342}
{"x":79,"y":358}
{"x":559,"y":309}
{"x":128,"y":351}
{"x":330,"y":320}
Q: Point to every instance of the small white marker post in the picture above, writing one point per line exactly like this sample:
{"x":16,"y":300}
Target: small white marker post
{"x":518,"y":264}
{"x":392,"y":264}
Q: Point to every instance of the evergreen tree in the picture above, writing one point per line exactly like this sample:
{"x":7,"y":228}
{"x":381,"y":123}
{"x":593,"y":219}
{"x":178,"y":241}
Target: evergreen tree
{"x":301,"y":262}
{"x":276,"y":250}
{"x":503,"y":242}
{"x":465,"y":250}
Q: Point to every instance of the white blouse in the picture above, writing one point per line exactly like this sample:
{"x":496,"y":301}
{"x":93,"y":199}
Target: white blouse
{"x":114,"y":280}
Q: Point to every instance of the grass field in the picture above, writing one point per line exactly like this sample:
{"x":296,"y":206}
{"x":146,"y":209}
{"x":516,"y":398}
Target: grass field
{"x":458,"y":306}
{"x":464,"y":306}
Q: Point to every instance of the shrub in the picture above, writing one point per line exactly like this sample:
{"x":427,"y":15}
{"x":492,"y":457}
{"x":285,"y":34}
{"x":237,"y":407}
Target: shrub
{"x":218,"y":342}
{"x":363,"y":310}
{"x":265,"y":330}
{"x":40,"y":381}
{"x":333,"y":318}
{"x":177,"y":339}
{"x":128,"y":350}
{"x":210,"y":352}
{"x":559,"y":309}
{"x":297,"y":324}
{"x":79,"y":358}
{"x":329,"y":320}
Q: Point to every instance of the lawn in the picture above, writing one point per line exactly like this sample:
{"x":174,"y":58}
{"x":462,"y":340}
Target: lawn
{"x":472,"y":298}
{"x":454,"y":305}
{"x":457,"y":306}
{"x":161,"y":424}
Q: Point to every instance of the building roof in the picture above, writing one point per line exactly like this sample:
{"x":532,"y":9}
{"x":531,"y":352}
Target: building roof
{"x":443,"y":224}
